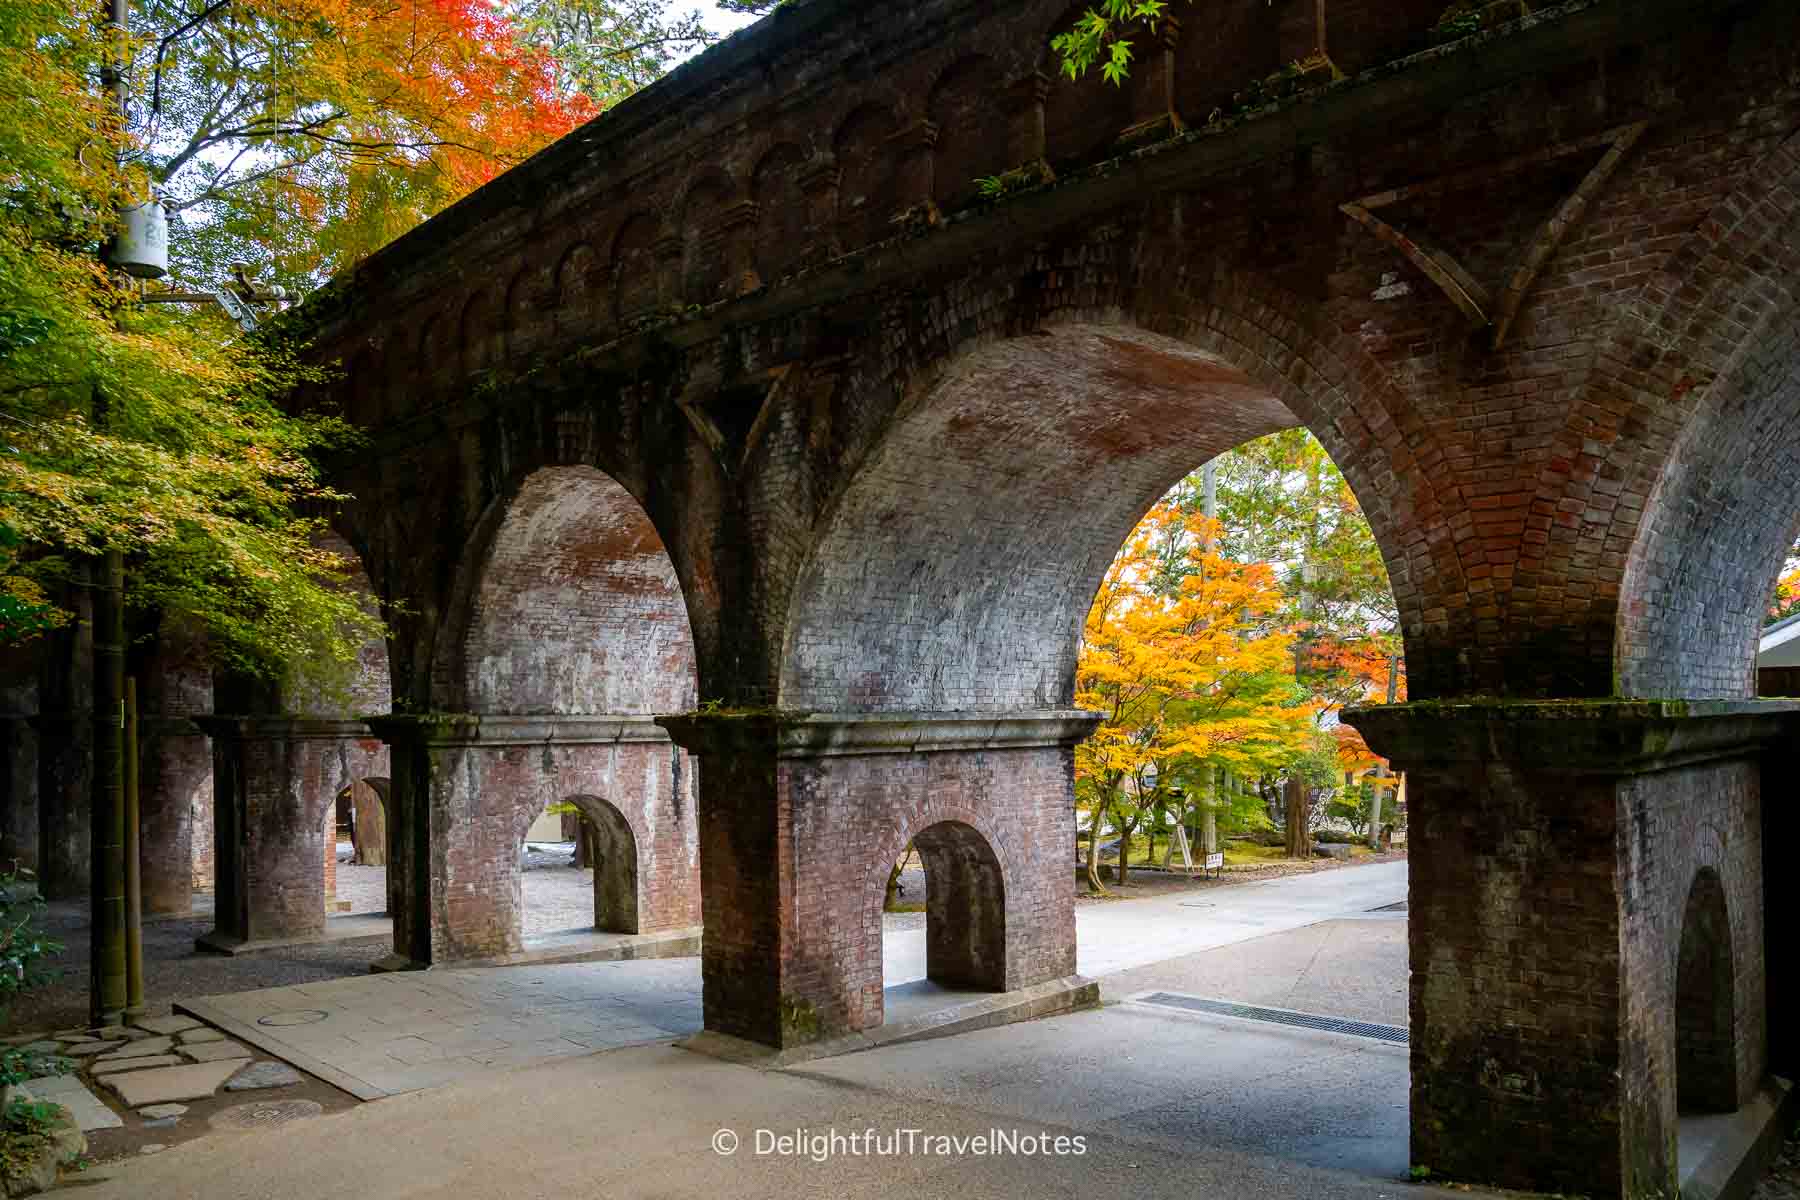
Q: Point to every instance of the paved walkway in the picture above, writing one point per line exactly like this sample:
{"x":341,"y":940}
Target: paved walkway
{"x":1159,"y":1102}
{"x":1122,"y":934}
{"x":380,"y":1035}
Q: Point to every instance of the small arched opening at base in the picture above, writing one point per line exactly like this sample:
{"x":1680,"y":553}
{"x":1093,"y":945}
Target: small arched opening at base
{"x":568,"y":839}
{"x":356,"y":847}
{"x":1705,"y":988}
{"x":965,"y":915}
{"x":611,"y":851}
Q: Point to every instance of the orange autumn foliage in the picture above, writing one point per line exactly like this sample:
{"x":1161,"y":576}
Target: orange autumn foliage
{"x":1194,"y":672}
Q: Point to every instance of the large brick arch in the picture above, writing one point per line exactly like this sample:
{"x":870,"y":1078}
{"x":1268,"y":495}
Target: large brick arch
{"x":1714,"y":371}
{"x":955,"y":568}
{"x":368,"y":687}
{"x":570,"y":604}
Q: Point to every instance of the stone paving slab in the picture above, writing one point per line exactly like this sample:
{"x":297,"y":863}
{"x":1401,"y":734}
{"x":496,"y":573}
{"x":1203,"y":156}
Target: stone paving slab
{"x":216,"y":1051}
{"x":143,"y":1062}
{"x":89,"y":1111}
{"x":166,"y":1025}
{"x":170,"y":1084}
{"x":381,"y":1035}
{"x":148,"y":1046}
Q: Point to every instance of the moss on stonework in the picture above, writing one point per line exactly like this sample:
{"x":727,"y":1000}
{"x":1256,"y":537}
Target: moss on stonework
{"x":799,"y":1021}
{"x":749,"y":712}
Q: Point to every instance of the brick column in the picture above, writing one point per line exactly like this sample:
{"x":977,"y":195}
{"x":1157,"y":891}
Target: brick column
{"x":914,"y":149}
{"x":1152,"y":84}
{"x":274,"y":778}
{"x":801,"y":819}
{"x":174,"y":760}
{"x":19,"y":779}
{"x":65,"y":760}
{"x":1557,"y":849}
{"x":1781,"y":897}
{"x":819,"y":182}
{"x":464,"y":791}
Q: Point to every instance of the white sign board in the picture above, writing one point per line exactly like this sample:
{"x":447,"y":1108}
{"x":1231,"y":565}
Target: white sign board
{"x":1215,"y":862}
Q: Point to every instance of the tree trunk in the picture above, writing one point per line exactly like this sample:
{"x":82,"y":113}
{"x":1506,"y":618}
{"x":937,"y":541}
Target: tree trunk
{"x":1125,"y":832}
{"x":1095,"y":887}
{"x":368,"y":825}
{"x":1299,"y":837}
{"x":587,"y":854}
{"x":893,"y":883}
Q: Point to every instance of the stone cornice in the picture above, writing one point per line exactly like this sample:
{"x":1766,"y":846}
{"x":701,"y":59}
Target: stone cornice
{"x":833,"y":735}
{"x":293,"y":729}
{"x":490,"y":729}
{"x":1574,"y":736}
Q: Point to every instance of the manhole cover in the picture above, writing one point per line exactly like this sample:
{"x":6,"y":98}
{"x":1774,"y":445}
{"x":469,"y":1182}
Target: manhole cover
{"x":265,"y":1114}
{"x":298,"y":1016}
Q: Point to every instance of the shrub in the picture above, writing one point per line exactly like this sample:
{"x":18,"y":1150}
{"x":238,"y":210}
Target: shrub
{"x":23,"y":943}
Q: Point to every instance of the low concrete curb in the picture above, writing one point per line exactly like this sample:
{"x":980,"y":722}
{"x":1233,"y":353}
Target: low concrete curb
{"x":672,"y":943}
{"x":355,"y":930}
{"x":576,"y":948}
{"x":1068,"y":994}
{"x":1741,"y":1145}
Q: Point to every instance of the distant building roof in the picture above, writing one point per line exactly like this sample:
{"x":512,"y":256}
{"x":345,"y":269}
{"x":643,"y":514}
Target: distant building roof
{"x":1781,"y":644}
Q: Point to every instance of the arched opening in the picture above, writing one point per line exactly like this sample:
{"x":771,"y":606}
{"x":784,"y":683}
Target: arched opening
{"x":1060,"y":442}
{"x":358,"y":840}
{"x":573,"y":622}
{"x":1706,"y":1074}
{"x":608,"y":848}
{"x":958,"y":942}
{"x":961,"y":564}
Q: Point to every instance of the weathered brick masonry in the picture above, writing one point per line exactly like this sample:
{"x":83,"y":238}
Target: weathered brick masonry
{"x":467,"y":788}
{"x":1579,"y":859}
{"x":795,"y":889}
{"x":274,"y":780}
{"x":1532,"y":290}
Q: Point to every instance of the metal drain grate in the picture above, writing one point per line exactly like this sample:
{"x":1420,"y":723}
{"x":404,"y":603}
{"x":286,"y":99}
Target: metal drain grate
{"x":1397,"y":1034}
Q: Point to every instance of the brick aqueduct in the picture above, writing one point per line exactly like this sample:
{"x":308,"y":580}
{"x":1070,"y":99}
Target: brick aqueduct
{"x":743,"y":474}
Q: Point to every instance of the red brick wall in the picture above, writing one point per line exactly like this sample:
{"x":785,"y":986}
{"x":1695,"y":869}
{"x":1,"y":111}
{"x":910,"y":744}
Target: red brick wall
{"x":1508,"y":488}
{"x":275,"y":780}
{"x":1673,"y":825}
{"x":174,"y":673}
{"x":484,"y":799}
{"x":1553,"y":867}
{"x":850,"y":819}
{"x":576,"y":609}
{"x":19,"y":667}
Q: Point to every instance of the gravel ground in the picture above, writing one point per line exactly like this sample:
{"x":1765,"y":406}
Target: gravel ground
{"x":172,"y":967}
{"x":1783,"y":1180}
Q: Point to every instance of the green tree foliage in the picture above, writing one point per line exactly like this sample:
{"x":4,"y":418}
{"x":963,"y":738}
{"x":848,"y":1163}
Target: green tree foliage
{"x":134,"y":428}
{"x":607,"y":49}
{"x":24,"y":946}
{"x":1103,"y":36}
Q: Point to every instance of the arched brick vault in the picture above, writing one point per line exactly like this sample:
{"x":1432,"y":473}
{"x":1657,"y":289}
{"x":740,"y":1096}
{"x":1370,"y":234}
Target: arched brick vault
{"x":955,"y":570}
{"x":1709,"y":360}
{"x":369,"y":688}
{"x":570,"y":605}
{"x":1514,"y":480}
